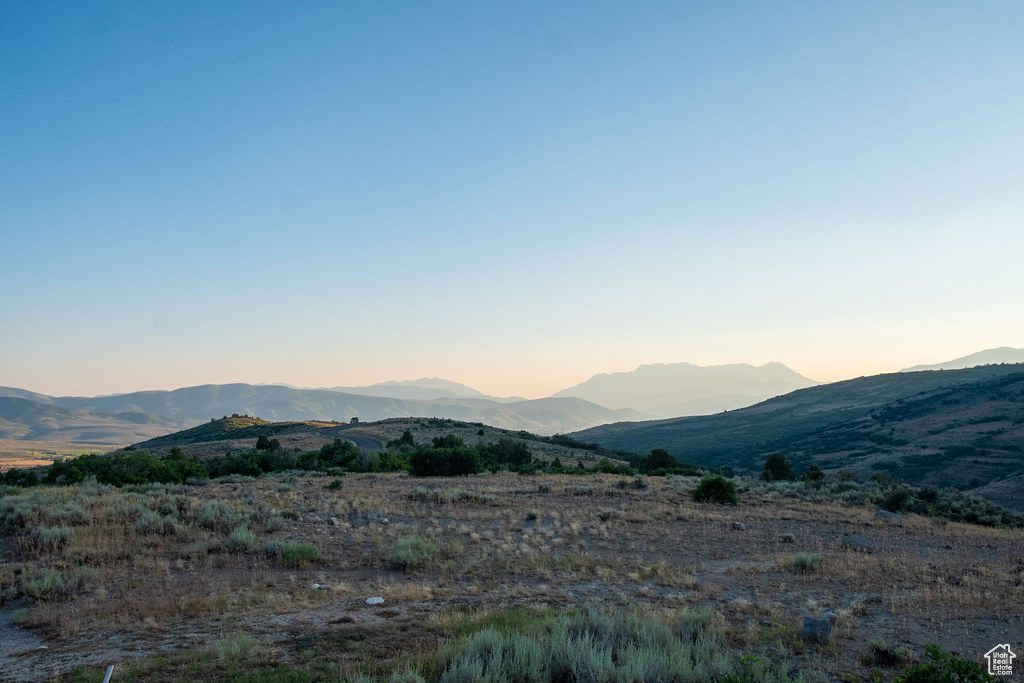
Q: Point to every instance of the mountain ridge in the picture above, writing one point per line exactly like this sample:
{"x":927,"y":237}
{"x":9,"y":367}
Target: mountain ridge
{"x":678,"y":389}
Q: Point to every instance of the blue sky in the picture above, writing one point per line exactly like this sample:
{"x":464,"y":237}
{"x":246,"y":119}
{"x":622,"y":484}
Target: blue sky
{"x":511,"y":195}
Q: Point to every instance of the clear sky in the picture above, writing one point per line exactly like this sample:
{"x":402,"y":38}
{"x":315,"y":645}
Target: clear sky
{"x":513,"y":195}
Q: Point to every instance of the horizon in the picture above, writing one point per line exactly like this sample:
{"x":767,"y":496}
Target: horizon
{"x":514,"y":198}
{"x":333,"y":385}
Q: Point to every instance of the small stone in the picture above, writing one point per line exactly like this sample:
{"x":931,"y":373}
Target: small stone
{"x":320,"y":586}
{"x":375,"y":601}
{"x":788,"y":538}
{"x":335,"y":522}
{"x":738,"y":526}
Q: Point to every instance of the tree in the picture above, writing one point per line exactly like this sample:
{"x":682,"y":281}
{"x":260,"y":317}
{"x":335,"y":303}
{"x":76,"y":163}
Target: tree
{"x":777,"y":468}
{"x":263,"y":444}
{"x":813,"y":473}
{"x":714,"y":488}
{"x":659,"y":459}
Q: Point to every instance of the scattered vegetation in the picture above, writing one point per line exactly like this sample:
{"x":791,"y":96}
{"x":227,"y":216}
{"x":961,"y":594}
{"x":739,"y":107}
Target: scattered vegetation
{"x":944,"y":667}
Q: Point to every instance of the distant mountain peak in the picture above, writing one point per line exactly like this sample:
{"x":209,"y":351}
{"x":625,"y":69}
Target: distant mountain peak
{"x":675,"y":389}
{"x":1002,"y":354}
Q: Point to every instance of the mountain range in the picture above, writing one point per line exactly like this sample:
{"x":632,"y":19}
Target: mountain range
{"x":1003,"y":354}
{"x":127,"y":418}
{"x":657,"y":390}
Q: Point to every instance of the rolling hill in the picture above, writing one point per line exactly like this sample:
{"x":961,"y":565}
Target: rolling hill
{"x":674,"y":389}
{"x":124,"y":418}
{"x":962,"y":428}
{"x":32,"y":421}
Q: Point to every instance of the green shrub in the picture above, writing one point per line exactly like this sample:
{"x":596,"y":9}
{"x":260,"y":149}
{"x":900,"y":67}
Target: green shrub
{"x":411,"y":552}
{"x":944,"y":667}
{"x":298,"y":554}
{"x":777,"y":468}
{"x":50,"y":584}
{"x":881,"y":653}
{"x":806,"y":563}
{"x":217,"y":515}
{"x":241,"y":540}
{"x":714,"y":488}
{"x":52,"y":538}
{"x":601,"y":646}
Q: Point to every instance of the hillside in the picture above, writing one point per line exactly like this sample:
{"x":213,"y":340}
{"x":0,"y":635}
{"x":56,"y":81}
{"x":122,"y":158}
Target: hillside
{"x":1004,"y":354}
{"x":29,"y":420}
{"x":671,"y":390}
{"x":240,"y":433}
{"x":962,"y":428}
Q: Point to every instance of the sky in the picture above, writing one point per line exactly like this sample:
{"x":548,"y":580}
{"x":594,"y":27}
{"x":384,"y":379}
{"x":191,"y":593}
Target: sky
{"x":512,"y":195}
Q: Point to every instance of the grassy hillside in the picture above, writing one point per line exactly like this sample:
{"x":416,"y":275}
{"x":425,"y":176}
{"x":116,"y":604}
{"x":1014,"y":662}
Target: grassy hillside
{"x":963,"y":428}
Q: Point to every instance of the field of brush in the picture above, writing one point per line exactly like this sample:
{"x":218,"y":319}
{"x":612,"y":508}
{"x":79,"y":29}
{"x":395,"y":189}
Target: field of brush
{"x":626,"y":578}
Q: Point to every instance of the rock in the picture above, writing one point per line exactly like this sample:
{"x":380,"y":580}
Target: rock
{"x":738,"y":526}
{"x":788,"y":538}
{"x":361,"y":518}
{"x":320,"y":586}
{"x":375,"y":601}
{"x":335,"y":522}
{"x":857,"y":542}
{"x":818,"y":630}
{"x":891,"y":516}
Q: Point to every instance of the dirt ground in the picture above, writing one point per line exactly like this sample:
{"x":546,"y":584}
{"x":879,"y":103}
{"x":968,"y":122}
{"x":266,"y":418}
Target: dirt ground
{"x":502,"y":542}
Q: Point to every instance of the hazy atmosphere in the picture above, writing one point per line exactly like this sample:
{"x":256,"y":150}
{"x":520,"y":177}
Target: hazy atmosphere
{"x":513,"y":196}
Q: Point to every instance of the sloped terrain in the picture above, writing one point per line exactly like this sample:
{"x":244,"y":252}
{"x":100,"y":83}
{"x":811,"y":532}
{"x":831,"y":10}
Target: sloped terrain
{"x":962,"y":428}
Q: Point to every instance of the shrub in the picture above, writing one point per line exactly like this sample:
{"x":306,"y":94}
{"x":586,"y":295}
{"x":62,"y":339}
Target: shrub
{"x":777,"y":468}
{"x":882,"y":654}
{"x":53,"y":538}
{"x":298,"y":554}
{"x":601,"y":646}
{"x":411,"y":552}
{"x":898,"y":499}
{"x":241,"y":540}
{"x":714,"y":488}
{"x":806,"y":562}
{"x":217,"y":515}
{"x":944,"y":667}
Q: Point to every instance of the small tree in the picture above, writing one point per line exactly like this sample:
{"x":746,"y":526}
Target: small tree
{"x":714,"y":488}
{"x":262,"y":443}
{"x":777,"y":468}
{"x":813,"y":473}
{"x":659,"y":459}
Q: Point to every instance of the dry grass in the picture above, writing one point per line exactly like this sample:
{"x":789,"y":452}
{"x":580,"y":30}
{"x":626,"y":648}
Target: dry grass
{"x":170,"y":563}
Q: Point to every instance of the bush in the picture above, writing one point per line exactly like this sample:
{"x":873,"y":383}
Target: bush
{"x":944,"y":667}
{"x":411,"y":552}
{"x":217,"y":515}
{"x":714,"y":488}
{"x":298,"y":554}
{"x":241,"y":540}
{"x":777,"y":468}
{"x":53,"y":538}
{"x":807,"y":562}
